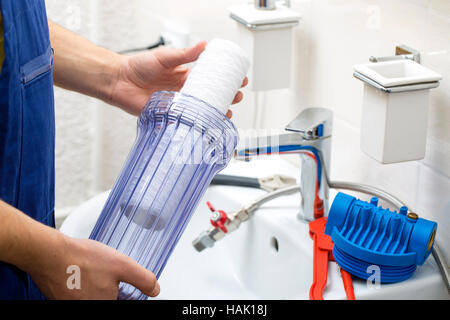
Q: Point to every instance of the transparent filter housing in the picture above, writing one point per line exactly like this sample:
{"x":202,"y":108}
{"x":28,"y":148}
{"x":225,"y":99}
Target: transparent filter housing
{"x":182,"y":142}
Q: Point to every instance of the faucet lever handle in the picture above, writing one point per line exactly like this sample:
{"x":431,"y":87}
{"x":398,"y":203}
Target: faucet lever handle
{"x":312,"y":123}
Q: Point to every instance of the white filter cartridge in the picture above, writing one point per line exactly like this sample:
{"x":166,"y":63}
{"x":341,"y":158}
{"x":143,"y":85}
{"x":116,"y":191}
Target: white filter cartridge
{"x":218,"y":74}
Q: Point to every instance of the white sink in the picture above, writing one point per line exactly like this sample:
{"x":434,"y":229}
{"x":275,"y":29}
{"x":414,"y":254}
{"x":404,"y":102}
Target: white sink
{"x":269,"y":257}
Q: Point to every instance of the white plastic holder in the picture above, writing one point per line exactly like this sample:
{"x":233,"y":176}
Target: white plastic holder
{"x":394,"y":125}
{"x":395,"y":109}
{"x":266,"y":35}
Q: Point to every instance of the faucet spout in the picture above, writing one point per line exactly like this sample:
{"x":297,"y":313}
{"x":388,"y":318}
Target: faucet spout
{"x":310,"y":136}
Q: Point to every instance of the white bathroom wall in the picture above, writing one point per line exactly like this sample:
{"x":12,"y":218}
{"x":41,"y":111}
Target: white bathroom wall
{"x":333,"y":35}
{"x":92,"y":138}
{"x":74,"y":113}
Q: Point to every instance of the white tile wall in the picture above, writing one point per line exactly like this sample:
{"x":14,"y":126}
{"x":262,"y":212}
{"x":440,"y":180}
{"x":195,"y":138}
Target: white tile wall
{"x":333,"y":35}
{"x":74,"y":128}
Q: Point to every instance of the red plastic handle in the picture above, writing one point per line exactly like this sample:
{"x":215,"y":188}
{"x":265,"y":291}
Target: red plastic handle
{"x":348,"y":284}
{"x":323,"y":252}
{"x":320,"y":272}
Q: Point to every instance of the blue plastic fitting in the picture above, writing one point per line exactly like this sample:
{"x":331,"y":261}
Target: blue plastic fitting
{"x":365,"y":234}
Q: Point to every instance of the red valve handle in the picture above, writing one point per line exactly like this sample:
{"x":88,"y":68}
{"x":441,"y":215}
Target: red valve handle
{"x":220,"y":223}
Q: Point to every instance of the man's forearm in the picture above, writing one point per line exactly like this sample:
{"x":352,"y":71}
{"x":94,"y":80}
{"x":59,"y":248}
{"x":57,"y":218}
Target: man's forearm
{"x":45,"y":254}
{"x":81,"y":66}
{"x":25,"y":242}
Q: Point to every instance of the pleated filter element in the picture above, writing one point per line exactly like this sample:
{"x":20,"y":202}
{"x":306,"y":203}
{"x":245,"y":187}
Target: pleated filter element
{"x":218,"y":74}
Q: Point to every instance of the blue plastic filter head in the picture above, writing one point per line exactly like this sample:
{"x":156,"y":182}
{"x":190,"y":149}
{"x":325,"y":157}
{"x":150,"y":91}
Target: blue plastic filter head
{"x":365,"y":234}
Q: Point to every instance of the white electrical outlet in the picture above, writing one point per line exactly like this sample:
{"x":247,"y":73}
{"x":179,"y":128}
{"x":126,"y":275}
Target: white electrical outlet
{"x":176,"y":35}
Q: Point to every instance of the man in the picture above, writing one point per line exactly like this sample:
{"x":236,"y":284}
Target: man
{"x":35,"y":54}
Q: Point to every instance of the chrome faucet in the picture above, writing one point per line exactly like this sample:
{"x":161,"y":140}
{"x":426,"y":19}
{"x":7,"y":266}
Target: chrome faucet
{"x":310,"y":136}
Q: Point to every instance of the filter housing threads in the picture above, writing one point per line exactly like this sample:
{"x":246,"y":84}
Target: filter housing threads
{"x":365,"y":234}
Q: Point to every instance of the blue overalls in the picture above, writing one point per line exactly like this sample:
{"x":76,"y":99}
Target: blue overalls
{"x":27,"y":129}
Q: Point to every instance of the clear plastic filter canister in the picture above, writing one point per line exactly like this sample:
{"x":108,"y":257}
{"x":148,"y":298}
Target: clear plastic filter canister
{"x":182,"y":142}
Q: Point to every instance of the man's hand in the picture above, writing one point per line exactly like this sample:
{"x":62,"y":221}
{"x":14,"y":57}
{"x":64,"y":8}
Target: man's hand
{"x":47,"y":256}
{"x":162,"y":69}
{"x":101,"y":269}
{"x":124,"y":81}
